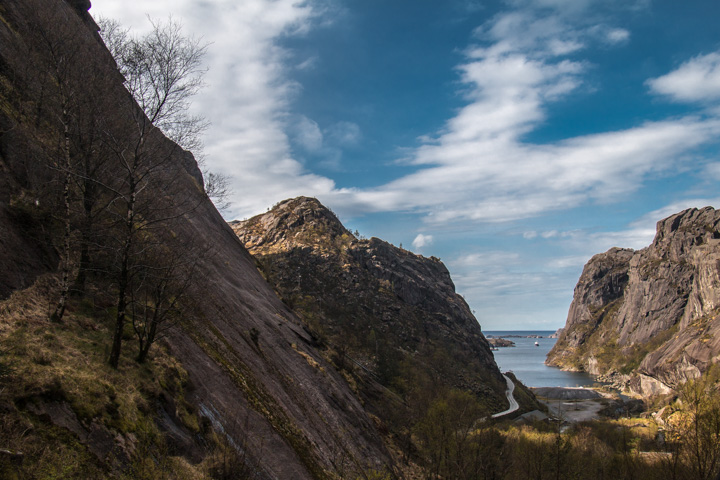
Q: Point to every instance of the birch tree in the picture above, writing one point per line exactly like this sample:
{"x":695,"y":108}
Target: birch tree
{"x":162,"y":71}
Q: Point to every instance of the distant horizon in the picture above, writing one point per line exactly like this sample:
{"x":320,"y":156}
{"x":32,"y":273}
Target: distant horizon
{"x":509,"y":332}
{"x":513,"y":139}
{"x":523,"y":330}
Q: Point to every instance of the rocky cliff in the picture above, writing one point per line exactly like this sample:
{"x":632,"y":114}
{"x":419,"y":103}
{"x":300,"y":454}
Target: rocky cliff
{"x":649,"y":318}
{"x":394,"y":313}
{"x":253,"y":374}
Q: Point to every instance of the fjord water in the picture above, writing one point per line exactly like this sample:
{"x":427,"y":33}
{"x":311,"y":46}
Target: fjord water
{"x":527,"y":361}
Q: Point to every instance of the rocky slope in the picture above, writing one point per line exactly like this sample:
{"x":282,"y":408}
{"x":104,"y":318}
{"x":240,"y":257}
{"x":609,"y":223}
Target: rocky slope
{"x":649,"y":318}
{"x":250,"y":363}
{"x":394,"y":313}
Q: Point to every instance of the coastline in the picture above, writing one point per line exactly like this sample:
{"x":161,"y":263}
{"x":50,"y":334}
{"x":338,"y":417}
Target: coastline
{"x":570,"y":396}
{"x":526,"y":358}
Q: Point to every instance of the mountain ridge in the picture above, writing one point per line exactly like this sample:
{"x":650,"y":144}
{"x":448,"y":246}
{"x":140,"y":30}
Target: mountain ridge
{"x":405,"y":300}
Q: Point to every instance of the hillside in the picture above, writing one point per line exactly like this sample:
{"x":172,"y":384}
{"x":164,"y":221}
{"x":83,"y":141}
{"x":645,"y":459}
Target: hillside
{"x":243,"y":361}
{"x":394,"y":313}
{"x":648,"y":319}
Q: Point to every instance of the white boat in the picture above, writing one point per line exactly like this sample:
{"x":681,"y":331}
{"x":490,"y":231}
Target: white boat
{"x":537,"y":344}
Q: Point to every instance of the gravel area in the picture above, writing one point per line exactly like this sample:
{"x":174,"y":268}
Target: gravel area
{"x":566,"y":393}
{"x":571,"y":404}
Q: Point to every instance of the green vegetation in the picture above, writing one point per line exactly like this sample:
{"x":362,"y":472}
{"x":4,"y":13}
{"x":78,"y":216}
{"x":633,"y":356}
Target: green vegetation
{"x":684,"y":445}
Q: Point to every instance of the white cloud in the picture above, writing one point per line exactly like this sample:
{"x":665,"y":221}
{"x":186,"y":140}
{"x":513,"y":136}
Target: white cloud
{"x":308,"y":134}
{"x":712,"y":170}
{"x":344,"y":133}
{"x":649,"y":220}
{"x":617,"y":35}
{"x":567,"y":262}
{"x":307,"y":64}
{"x":478,"y":167}
{"x":509,"y":288}
{"x":325,"y":146}
{"x":528,"y":31}
{"x":249,"y":94}
{"x":697,"y":80}
{"x":484,"y":259}
{"x":475,"y":174}
{"x":638,"y":234}
{"x":422,"y":241}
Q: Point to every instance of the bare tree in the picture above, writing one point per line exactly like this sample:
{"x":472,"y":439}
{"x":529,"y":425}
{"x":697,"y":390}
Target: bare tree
{"x":56,"y":33}
{"x":159,"y":290}
{"x":217,"y":188}
{"x":162,"y":71}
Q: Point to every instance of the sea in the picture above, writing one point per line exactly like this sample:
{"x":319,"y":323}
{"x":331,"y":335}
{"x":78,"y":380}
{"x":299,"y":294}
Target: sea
{"x":527,"y":361}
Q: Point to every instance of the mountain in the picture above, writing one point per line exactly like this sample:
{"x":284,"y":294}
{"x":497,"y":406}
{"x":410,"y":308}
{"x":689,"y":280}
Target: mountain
{"x":96,"y":205}
{"x":648,"y":319}
{"x":391,"y":312}
{"x":245,"y":362}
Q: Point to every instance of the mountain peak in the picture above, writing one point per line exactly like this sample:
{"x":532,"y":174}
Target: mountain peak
{"x":296,"y":222}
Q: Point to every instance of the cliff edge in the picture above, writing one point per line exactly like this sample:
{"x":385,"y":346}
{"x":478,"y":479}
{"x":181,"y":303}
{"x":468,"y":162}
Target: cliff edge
{"x":648,"y":319}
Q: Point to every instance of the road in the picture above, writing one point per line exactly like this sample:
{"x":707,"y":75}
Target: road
{"x":511,"y":399}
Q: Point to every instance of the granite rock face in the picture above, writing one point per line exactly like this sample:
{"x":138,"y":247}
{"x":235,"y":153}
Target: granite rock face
{"x":649,"y":317}
{"x":386,"y":305}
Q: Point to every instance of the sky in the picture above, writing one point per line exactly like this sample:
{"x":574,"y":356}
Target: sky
{"x":513,"y":139}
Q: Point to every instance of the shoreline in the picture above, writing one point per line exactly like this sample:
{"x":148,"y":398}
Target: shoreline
{"x":573,"y":404}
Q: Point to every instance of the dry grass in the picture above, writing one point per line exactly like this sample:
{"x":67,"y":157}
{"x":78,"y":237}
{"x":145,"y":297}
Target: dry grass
{"x":66,"y":364}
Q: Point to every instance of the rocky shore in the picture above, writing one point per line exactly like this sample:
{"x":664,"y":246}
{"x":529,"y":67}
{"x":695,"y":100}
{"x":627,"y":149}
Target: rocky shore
{"x":500,"y":342}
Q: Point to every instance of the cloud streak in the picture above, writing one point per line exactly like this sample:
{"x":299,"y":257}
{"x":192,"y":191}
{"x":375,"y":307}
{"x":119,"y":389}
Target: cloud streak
{"x":697,"y":80}
{"x":479,"y":168}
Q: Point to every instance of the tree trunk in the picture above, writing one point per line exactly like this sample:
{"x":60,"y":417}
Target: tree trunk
{"x":85,"y":233}
{"x":124,"y":278}
{"x":57,"y":315}
{"x":120,"y":319}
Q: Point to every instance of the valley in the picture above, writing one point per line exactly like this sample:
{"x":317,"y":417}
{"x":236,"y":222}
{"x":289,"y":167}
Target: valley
{"x":143,"y":335}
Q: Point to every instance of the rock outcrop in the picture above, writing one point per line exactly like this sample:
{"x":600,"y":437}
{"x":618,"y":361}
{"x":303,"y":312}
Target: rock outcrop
{"x":385,"y":307}
{"x":649,"y":318}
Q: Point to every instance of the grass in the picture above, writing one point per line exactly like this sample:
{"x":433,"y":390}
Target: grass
{"x":64,"y":367}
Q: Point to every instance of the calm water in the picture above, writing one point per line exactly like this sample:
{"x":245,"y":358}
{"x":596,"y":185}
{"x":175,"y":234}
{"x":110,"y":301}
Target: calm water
{"x":528,"y":361}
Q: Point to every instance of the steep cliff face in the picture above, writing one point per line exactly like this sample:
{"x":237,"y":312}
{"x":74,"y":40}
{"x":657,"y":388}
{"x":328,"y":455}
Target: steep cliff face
{"x":251,"y":364}
{"x":649,"y":317}
{"x":389,"y":310}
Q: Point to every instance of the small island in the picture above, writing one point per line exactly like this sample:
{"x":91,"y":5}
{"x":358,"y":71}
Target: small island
{"x":500,"y":342}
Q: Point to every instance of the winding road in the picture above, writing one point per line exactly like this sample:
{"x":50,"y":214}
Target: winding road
{"x":511,"y":399}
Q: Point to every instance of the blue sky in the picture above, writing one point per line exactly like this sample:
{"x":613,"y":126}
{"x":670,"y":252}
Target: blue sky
{"x":513,"y":139}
